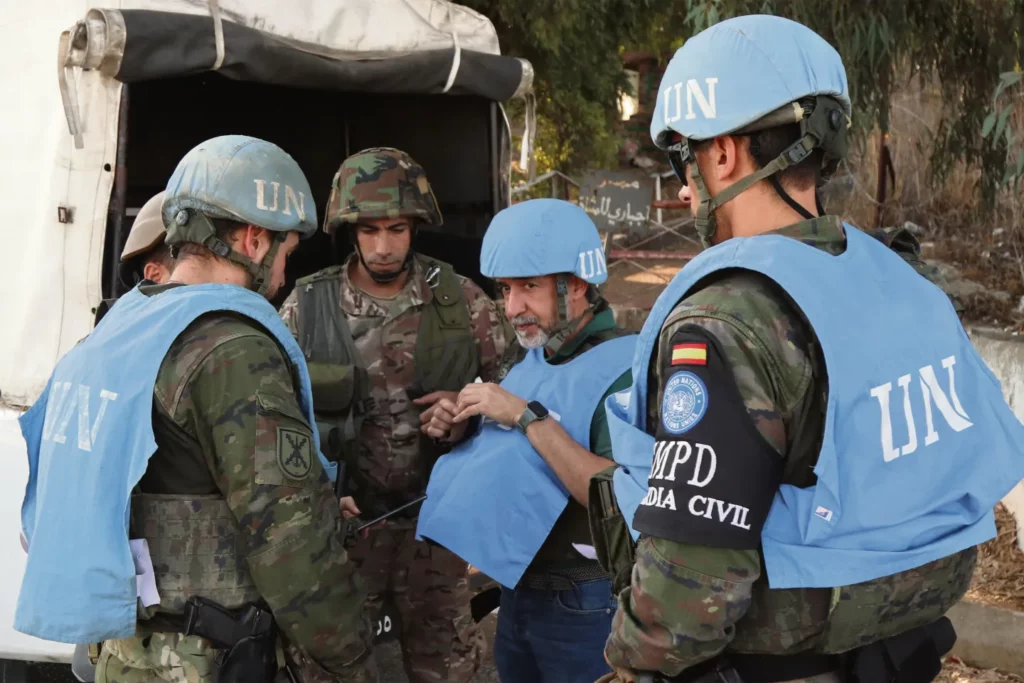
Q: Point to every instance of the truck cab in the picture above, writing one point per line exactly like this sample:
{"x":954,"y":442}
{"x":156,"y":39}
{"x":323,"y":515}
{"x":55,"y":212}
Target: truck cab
{"x":138,"y":86}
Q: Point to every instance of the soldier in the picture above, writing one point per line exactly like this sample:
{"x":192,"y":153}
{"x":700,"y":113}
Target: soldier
{"x":145,"y":255}
{"x":812,"y":448}
{"x":387,"y":334}
{"x":512,"y":501}
{"x":193,"y":439}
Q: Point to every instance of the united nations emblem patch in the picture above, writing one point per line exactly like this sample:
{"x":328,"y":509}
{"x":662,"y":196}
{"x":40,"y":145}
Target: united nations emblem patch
{"x":684,"y":403}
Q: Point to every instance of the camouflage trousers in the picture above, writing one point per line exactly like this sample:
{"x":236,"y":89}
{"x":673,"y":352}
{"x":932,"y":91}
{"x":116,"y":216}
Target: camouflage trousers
{"x":429,"y":587}
{"x":177,"y":658}
{"x":626,"y":678}
{"x":171,"y":657}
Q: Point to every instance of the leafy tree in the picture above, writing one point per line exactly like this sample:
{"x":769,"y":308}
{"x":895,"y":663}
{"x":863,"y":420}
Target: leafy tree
{"x":575,"y":48}
{"x":961,"y":45}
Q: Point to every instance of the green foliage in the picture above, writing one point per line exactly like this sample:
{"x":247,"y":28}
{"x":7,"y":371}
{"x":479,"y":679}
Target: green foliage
{"x":962,"y":45}
{"x":999,"y":130}
{"x":575,"y":47}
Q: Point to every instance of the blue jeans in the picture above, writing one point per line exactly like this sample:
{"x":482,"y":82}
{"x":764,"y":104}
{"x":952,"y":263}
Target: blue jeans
{"x":548,"y":636}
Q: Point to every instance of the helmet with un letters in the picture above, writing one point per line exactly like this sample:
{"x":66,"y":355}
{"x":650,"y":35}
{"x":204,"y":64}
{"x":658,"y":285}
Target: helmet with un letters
{"x":743,"y":71}
{"x":543,"y":237}
{"x":239,"y":178}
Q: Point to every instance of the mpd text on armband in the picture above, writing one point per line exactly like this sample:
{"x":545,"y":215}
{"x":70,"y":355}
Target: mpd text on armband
{"x":667,"y":479}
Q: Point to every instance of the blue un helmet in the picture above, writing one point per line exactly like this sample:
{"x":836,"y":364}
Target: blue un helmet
{"x":749,"y":74}
{"x":243,"y":179}
{"x":546,"y":237}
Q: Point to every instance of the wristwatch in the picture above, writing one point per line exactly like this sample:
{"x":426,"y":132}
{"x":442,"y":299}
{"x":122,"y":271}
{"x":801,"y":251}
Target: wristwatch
{"x":534,"y":411}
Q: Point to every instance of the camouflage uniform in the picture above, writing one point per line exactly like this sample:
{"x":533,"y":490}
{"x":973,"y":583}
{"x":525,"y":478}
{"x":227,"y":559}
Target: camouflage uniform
{"x":688,"y":603}
{"x":223,"y":392}
{"x":428,"y":585}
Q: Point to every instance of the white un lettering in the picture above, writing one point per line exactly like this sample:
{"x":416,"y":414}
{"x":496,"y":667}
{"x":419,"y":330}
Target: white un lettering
{"x":931,"y":393}
{"x":65,"y":400}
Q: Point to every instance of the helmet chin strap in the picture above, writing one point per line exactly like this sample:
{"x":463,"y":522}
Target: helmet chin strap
{"x":201,"y":230}
{"x":384,"y":278}
{"x":564,"y":328}
{"x":705,"y":221}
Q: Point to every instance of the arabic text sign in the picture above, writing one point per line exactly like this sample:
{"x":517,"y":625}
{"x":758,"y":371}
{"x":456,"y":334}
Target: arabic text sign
{"x":617,"y":201}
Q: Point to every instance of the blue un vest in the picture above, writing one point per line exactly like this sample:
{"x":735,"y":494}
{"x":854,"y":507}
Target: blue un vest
{"x":493,"y":500}
{"x":918,"y":446}
{"x":89,"y":440}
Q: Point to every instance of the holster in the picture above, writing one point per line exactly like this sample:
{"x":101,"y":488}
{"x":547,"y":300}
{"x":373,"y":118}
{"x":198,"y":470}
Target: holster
{"x":914,"y":656}
{"x":246,"y":637}
{"x":612,"y":540}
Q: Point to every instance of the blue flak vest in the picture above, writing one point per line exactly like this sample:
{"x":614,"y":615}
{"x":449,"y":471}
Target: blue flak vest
{"x":89,"y":440}
{"x":493,"y":500}
{"x":919,"y":444}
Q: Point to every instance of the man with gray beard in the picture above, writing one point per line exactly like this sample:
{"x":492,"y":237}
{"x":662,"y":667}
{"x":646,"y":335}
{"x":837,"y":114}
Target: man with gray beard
{"x":556,"y":601}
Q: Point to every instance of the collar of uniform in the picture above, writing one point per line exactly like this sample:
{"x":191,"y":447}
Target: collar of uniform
{"x":152,"y":288}
{"x":603,"y":320}
{"x":355,"y":301}
{"x":822,"y":232}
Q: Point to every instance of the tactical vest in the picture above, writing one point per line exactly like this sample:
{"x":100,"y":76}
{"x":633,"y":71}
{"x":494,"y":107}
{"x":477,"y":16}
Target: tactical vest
{"x":186,"y":537}
{"x":446,"y":357}
{"x":89,"y":438}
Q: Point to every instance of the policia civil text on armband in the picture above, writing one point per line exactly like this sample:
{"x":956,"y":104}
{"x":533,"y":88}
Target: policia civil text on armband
{"x":812,"y":448}
{"x":192,"y":459}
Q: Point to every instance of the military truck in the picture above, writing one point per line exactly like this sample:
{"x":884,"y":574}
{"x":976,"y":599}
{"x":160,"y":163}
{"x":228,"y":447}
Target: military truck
{"x":140,"y":82}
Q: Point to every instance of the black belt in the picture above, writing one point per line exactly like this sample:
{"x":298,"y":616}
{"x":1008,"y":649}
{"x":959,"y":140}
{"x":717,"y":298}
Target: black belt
{"x":776,"y":668}
{"x":562,"y":579}
{"x":757,"y":668}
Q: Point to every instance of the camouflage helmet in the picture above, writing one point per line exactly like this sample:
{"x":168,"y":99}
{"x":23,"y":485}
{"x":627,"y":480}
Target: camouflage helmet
{"x":147,"y":231}
{"x":380,"y":182}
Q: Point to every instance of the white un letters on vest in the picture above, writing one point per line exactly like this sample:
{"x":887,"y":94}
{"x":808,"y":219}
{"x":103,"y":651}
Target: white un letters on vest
{"x":66,"y":400}
{"x":290,"y":197}
{"x":694,"y":93}
{"x":931,"y":392}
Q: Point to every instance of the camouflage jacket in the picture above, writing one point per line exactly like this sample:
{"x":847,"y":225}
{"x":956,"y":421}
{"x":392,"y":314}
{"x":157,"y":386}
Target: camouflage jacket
{"x":384,"y":332}
{"x":223,"y":393}
{"x":688,"y":603}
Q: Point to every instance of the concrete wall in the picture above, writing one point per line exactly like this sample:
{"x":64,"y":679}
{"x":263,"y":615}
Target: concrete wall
{"x":1003,"y":353}
{"x":1005,"y":356}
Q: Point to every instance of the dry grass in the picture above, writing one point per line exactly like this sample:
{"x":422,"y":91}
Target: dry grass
{"x":999,"y":577}
{"x":987,"y":247}
{"x":955,"y":671}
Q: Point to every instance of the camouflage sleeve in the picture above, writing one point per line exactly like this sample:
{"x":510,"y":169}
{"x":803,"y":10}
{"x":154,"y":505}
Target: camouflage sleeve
{"x":240,"y":403}
{"x":289,"y":313}
{"x":685,"y":599}
{"x":489,"y":330}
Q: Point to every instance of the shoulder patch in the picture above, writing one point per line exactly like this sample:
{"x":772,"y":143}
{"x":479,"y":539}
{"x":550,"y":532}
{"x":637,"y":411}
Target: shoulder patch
{"x":685,"y":402}
{"x":294,"y":453}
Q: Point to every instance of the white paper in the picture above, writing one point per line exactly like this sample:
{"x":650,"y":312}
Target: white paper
{"x":145,"y":577}
{"x":586,"y":551}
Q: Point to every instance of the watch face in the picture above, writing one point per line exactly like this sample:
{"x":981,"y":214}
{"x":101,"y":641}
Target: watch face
{"x":537,"y":409}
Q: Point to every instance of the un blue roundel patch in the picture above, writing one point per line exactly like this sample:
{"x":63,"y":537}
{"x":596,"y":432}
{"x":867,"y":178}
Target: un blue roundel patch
{"x":684,"y":402}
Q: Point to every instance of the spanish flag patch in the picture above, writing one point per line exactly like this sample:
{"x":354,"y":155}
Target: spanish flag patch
{"x":690,"y":354}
